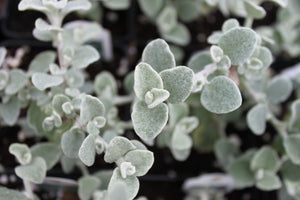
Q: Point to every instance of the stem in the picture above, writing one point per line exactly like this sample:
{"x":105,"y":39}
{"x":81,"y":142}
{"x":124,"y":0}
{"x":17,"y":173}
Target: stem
{"x":248,"y":22}
{"x":59,"y":42}
{"x":127,"y":125}
{"x":122,"y":100}
{"x":82,"y":168}
{"x":28,"y":189}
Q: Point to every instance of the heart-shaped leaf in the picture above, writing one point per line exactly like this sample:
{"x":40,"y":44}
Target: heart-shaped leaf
{"x":145,"y":79}
{"x":158,"y":54}
{"x":34,"y":172}
{"x":90,"y":107}
{"x":167,"y":19}
{"x":17,"y":80}
{"x":41,"y":62}
{"x":84,"y":56}
{"x":241,"y":173}
{"x":87,"y":186}
{"x":150,"y":9}
{"x":226,"y":151}
{"x":142,"y":160}
{"x":117,"y":148}
{"x":21,"y":152}
{"x":71,"y":142}
{"x":10,"y":111}
{"x":269,"y":181}
{"x":266,"y":159}
{"x":87,"y":151}
{"x":256,"y":119}
{"x":180,"y":140}
{"x":230,"y":24}
{"x":279,"y":89}
{"x":179,"y":35}
{"x":221,"y":96}
{"x":58,"y":101}
{"x":199,"y":60}
{"x":156,"y":97}
{"x":292,"y":147}
{"x":179,"y":82}
{"x":43,"y":81}
{"x":253,"y":10}
{"x":148,"y":123}
{"x":131,"y":182}
{"x":50,"y":152}
{"x":239,"y":44}
{"x":105,"y":84}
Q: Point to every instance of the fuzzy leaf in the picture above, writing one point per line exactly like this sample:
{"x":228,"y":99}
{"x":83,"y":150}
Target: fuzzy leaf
{"x":156,"y":97}
{"x":3,"y":52}
{"x":87,"y":151}
{"x":239,"y":44}
{"x":34,"y":172}
{"x":32,"y":5}
{"x":199,"y":60}
{"x":158,"y":55}
{"x":179,"y":35}
{"x":105,"y":84}
{"x":295,"y":118}
{"x":49,"y":151}
{"x":17,"y":80}
{"x":118,"y":192}
{"x":84,"y":56}
{"x":269,"y":181}
{"x":142,"y":160}
{"x":10,"y":111}
{"x":145,"y":79}
{"x":264,"y":55}
{"x":58,"y":101}
{"x":116,"y":4}
{"x":216,"y":53}
{"x":282,"y":3}
{"x":290,"y":171}
{"x":21,"y":152}
{"x":41,"y":62}
{"x":87,"y":186}
{"x":221,"y":96}
{"x":180,"y":140}
{"x":167,"y":19}
{"x":117,"y":148}
{"x":267,"y":159}
{"x":91,"y":107}
{"x":181,"y":155}
{"x":226,"y":151}
{"x":43,"y":81}
{"x":4,"y":78}
{"x":256,"y":119}
{"x":71,"y":142}
{"x":279,"y":89}
{"x":177,"y":112}
{"x":230,"y":24}
{"x":241,"y":173}
{"x":131,"y":183}
{"x":76,"y":5}
{"x":151,"y":8}
{"x":67,"y":164}
{"x":179,"y":82}
{"x":9,"y":194}
{"x":188,"y":124}
{"x":292,"y":147}
{"x":148,"y":123}
{"x":253,"y":10}
{"x":188,"y":10}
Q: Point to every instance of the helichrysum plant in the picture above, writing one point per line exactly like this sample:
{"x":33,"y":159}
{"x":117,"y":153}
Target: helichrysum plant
{"x":170,"y":103}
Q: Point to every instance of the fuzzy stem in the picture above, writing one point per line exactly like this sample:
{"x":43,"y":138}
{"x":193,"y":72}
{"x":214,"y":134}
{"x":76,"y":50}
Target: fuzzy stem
{"x":82,"y":168}
{"x":122,"y":100}
{"x":28,"y":189}
{"x":248,"y":22}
